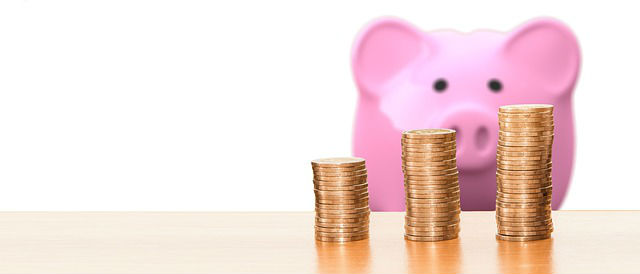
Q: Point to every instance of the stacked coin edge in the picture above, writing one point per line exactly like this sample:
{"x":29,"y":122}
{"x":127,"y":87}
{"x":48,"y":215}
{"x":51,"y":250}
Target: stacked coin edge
{"x":523,"y":175}
{"x":431,"y":184}
{"x":341,"y":199}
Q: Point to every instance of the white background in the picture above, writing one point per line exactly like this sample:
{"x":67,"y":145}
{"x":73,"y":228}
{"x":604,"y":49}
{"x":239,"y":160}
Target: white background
{"x":202,"y":105}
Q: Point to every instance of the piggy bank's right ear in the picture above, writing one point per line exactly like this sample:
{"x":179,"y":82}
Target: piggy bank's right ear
{"x":381,"y":50}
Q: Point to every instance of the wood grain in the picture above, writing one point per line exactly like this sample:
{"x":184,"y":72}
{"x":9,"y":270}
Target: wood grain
{"x":200,"y":242}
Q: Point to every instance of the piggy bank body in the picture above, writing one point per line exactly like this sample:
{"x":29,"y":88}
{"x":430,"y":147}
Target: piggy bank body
{"x":409,"y":79}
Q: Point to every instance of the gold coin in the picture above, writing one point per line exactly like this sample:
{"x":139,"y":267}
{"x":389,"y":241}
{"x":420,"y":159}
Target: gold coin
{"x":433,"y":195}
{"x":338,"y":162}
{"x":430,"y":154}
{"x":342,"y":201}
{"x":508,"y":210}
{"x":426,"y":168}
{"x":545,"y":227}
{"x":431,"y":172}
{"x":344,"y":183}
{"x":523,"y":201}
{"x":524,"y":190}
{"x":524,"y":214}
{"x":510,"y":119}
{"x":435,"y":145}
{"x":340,"y":174}
{"x":523,"y":233}
{"x":422,"y":141}
{"x":431,"y":133}
{"x":430,"y":239}
{"x":446,"y":206}
{"x":342,"y":211}
{"x":428,"y":149}
{"x":432,"y":159}
{"x":341,"y":229}
{"x":336,"y":195}
{"x":525,"y":224}
{"x":525,"y":138}
{"x":525,"y":143}
{"x":522,"y":238}
{"x":321,"y":214}
{"x":345,"y":206}
{"x":433,"y":214}
{"x":514,"y":167}
{"x":525,"y":114}
{"x":525,"y":133}
{"x":540,"y":130}
{"x":431,"y":186}
{"x":432,"y":201}
{"x":523,"y":196}
{"x":522,"y":219}
{"x":545,"y":171}
{"x":343,"y":234}
{"x":342,"y":239}
{"x":512,"y":177}
{"x":527,"y":160}
{"x":412,"y":177}
{"x":541,"y":154}
{"x":344,"y":225}
{"x":421,"y":233}
{"x":505,"y":124}
{"x":432,"y":191}
{"x":339,"y":179}
{"x":526,"y":108}
{"x":338,"y":169}
{"x":525,"y":186}
{"x":542,"y":180}
{"x":435,"y":221}
{"x":342,"y":220}
{"x":340,"y":188}
{"x":522,"y":205}
{"x":530,"y":149}
{"x":449,"y":162}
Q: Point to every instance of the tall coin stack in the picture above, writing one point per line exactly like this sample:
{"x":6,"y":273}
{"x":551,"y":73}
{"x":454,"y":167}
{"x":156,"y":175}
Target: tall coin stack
{"x":342,"y":199}
{"x":431,"y":185}
{"x":523,"y":200}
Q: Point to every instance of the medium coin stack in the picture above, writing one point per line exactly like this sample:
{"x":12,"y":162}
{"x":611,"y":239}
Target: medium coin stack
{"x":523,"y":200}
{"x":342,"y":199}
{"x":431,"y":185}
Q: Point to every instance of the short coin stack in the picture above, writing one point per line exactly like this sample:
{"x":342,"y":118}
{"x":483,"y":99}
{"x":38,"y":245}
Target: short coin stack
{"x":342,"y":199}
{"x":523,"y":200}
{"x":431,"y":185}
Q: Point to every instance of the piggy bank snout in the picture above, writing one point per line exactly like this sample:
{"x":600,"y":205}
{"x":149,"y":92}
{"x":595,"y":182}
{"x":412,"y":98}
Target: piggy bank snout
{"x":476,"y":137}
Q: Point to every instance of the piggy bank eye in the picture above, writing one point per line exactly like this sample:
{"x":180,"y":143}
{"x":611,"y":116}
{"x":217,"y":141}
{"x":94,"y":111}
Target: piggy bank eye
{"x":440,"y":85}
{"x":495,"y":85}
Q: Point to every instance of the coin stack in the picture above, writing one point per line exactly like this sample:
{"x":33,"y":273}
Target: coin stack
{"x":431,"y":185}
{"x":342,"y":199}
{"x":523,"y":200}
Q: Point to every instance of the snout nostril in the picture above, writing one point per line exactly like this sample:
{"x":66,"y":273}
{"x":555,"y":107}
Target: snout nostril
{"x":482,"y":137}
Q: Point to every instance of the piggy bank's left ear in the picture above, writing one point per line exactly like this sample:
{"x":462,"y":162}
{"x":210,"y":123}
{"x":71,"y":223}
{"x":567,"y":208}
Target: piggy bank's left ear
{"x":382,"y":50}
{"x":547,"y":51}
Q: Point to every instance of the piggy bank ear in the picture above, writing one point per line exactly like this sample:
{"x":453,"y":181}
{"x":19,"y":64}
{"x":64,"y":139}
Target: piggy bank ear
{"x":547,"y":52}
{"x":382,"y":50}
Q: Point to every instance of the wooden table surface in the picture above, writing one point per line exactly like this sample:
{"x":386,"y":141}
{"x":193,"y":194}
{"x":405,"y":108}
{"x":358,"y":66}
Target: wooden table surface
{"x":199,"y":242}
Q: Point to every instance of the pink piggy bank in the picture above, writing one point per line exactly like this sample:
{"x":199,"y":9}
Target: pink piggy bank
{"x":409,"y":79}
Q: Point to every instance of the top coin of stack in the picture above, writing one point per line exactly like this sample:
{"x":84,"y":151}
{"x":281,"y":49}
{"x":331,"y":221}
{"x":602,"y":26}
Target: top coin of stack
{"x":523,"y":200}
{"x":431,"y":184}
{"x":342,"y":199}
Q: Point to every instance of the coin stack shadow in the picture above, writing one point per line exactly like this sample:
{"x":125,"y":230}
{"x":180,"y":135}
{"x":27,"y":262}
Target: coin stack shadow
{"x":342,"y":199}
{"x":431,"y":185}
{"x":523,"y":177}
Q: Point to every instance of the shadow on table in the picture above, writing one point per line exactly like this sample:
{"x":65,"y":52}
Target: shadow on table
{"x":525,"y":257}
{"x":350,"y":257}
{"x":434,"y":257}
